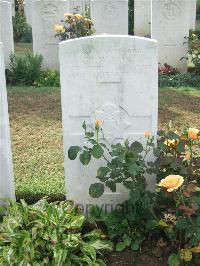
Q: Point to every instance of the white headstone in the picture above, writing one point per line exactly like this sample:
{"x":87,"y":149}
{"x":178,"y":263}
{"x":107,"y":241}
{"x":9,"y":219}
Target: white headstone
{"x":6,"y":169}
{"x":113,"y":78}
{"x":142,"y":18}
{"x":6,"y":30}
{"x":45,"y":14}
{"x":193,"y":11}
{"x":13,"y":6}
{"x":78,"y":6}
{"x":170,"y":27}
{"x":28,"y":11}
{"x":110,"y":16}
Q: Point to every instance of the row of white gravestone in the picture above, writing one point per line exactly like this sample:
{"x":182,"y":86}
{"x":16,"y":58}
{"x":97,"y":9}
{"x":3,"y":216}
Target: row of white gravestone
{"x":6,"y":169}
{"x":113,"y":78}
{"x":110,"y":17}
{"x":142,"y":16}
{"x":6,"y":30}
{"x":169,"y":22}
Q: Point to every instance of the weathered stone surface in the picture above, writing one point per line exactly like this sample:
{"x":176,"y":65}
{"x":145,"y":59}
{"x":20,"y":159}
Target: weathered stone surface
{"x":6,"y":169}
{"x":193,"y":10}
{"x":6,"y":30}
{"x":110,"y":16}
{"x":45,"y":14}
{"x":170,"y":27}
{"x":28,"y":11}
{"x":113,"y":78}
{"x":142,"y":18}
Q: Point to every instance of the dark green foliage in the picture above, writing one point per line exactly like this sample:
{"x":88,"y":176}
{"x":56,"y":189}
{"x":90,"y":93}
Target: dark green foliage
{"x":21,"y":30}
{"x":180,"y":80}
{"x":131,"y":222}
{"x":24,"y":70}
{"x":131,"y":17}
{"x":49,"y":234}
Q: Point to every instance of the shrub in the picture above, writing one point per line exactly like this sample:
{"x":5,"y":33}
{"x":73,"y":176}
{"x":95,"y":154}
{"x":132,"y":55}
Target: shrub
{"x":24,"y":70}
{"x":49,"y":234}
{"x":20,"y":28}
{"x":74,"y":26}
{"x":179,"y":80}
{"x":180,"y":219}
{"x":171,"y":216}
{"x":178,"y":153}
{"x":48,"y":78}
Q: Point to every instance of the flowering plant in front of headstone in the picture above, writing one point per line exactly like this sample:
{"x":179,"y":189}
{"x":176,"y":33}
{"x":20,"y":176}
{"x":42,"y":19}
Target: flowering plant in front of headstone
{"x":169,"y":217}
{"x":124,"y":163}
{"x":74,"y":26}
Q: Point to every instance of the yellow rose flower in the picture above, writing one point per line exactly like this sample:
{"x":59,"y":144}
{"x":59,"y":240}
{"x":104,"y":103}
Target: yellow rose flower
{"x":195,"y":249}
{"x":67,"y":15}
{"x":98,"y":122}
{"x":193,"y":133}
{"x":147,"y":134}
{"x":171,"y":182}
{"x":171,"y":142}
{"x":59,"y":28}
{"x":78,"y":16}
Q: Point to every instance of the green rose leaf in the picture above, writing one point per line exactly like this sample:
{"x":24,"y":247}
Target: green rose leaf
{"x":96,"y":190}
{"x":73,"y":152}
{"x":136,"y":147}
{"x":133,"y":169}
{"x":111,"y":184}
{"x":97,"y":151}
{"x":120,"y":246}
{"x":85,"y":157}
{"x":103,"y":171}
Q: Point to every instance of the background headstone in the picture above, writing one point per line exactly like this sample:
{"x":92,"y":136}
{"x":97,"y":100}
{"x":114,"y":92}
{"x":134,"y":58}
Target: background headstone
{"x":142,"y":18}
{"x":6,"y":169}
{"x":170,"y":27}
{"x":78,"y":6}
{"x":113,"y":78}
{"x":6,"y":30}
{"x":110,"y":16}
{"x":12,"y":5}
{"x":45,"y":14}
{"x":28,"y":11}
{"x":193,"y":12}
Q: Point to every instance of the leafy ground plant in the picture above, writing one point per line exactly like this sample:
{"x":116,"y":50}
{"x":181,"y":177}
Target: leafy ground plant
{"x":49,"y":234}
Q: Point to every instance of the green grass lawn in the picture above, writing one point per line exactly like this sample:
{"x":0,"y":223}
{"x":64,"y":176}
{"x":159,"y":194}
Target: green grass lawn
{"x":35,"y":117}
{"x":22,"y":48}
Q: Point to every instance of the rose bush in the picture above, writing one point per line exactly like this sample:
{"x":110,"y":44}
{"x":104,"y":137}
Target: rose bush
{"x":171,"y":215}
{"x":74,"y":26}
